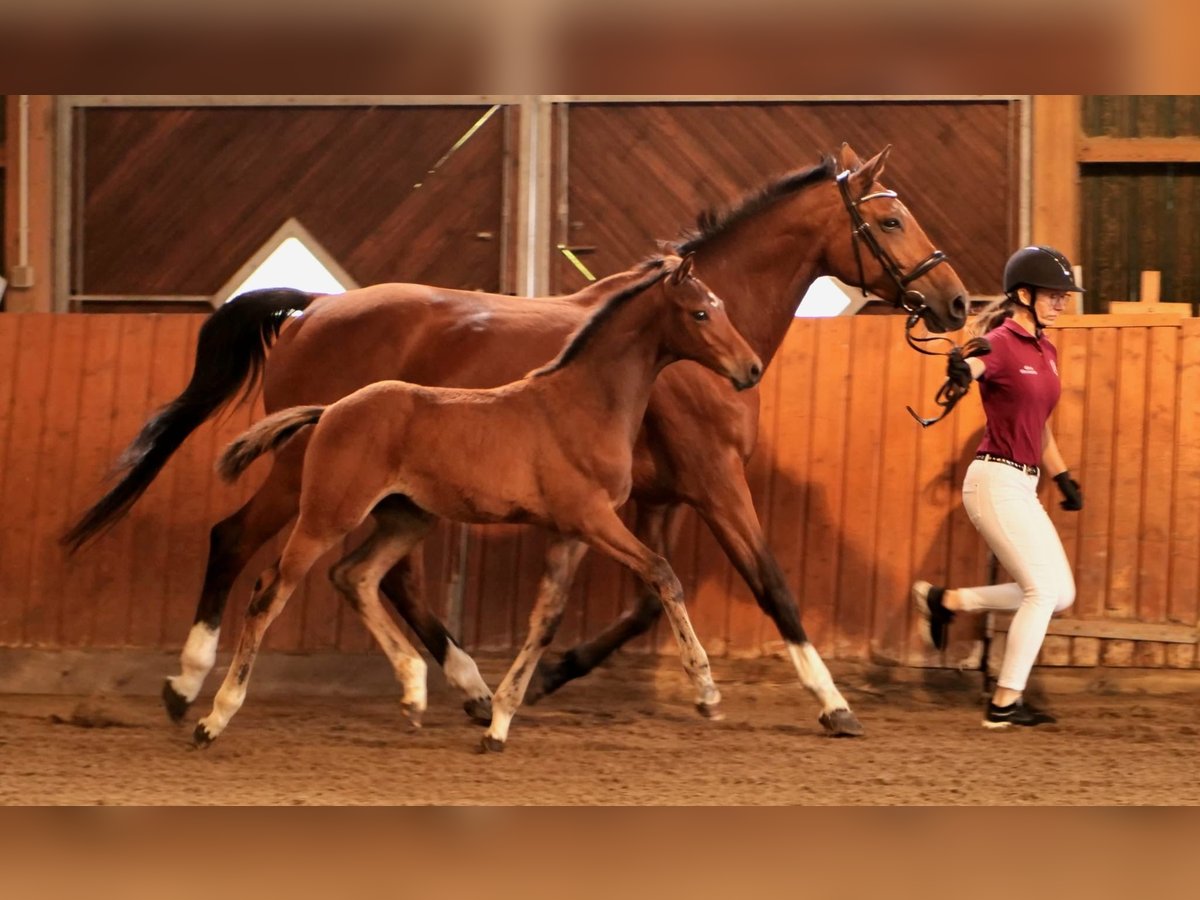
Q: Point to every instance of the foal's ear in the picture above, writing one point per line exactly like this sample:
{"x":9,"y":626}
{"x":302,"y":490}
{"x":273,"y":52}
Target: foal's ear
{"x":684,"y":269}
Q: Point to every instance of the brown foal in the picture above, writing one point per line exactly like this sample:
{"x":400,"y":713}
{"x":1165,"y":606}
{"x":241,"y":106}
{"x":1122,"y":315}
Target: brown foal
{"x":555,"y":449}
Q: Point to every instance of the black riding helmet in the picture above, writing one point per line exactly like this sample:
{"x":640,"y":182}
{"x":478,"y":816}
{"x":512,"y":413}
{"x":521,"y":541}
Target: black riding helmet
{"x":1039,"y":267}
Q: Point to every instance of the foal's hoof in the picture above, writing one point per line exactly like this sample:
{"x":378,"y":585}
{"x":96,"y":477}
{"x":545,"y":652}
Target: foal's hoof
{"x":201,"y":739}
{"x":479,"y":709}
{"x":710,"y":711}
{"x":490,"y":744}
{"x":841,"y":723}
{"x":175,"y":703}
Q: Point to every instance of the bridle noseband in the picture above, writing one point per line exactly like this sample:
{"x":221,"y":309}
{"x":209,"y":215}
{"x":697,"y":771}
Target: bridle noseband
{"x":912,"y":301}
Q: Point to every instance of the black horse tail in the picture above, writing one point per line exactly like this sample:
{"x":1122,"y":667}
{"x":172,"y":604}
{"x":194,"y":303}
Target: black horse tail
{"x":264,"y":436}
{"x":231,"y":352}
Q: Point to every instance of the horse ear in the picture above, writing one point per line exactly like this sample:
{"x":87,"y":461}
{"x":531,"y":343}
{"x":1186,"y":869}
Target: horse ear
{"x":684,"y":269}
{"x":847,"y":159}
{"x":873,"y":167}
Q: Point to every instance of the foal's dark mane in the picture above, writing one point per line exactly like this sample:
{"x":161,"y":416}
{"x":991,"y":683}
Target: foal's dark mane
{"x":711,"y":223}
{"x":656,"y":265}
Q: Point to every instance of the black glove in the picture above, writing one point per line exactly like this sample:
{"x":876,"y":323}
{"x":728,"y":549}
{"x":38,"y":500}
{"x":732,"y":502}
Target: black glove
{"x":1072,"y":496}
{"x":957,"y":370}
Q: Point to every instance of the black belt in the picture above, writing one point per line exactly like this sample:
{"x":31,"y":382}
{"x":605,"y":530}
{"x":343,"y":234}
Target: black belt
{"x":1029,"y":470}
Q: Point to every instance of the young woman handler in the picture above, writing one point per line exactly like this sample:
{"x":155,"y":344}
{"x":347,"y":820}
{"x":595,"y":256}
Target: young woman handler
{"x":1019,"y":386}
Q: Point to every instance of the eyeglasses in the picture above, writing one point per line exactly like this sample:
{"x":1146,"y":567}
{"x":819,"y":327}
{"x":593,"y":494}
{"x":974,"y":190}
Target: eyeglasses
{"x":1057,"y":299}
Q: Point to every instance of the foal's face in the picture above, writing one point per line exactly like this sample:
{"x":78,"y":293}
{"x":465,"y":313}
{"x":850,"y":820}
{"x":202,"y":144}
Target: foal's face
{"x":700,"y":329}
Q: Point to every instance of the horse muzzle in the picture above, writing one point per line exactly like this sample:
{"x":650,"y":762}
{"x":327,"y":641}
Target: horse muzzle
{"x":749,"y":375}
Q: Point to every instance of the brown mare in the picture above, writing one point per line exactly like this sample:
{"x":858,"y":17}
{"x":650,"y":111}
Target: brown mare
{"x":761,"y":256}
{"x":555,"y":449}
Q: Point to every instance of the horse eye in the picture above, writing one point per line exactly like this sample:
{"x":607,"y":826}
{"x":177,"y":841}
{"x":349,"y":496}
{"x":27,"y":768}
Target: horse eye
{"x":700,"y":315}
{"x":890,"y":224}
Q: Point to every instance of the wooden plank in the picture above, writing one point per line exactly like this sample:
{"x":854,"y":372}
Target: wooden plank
{"x":1068,"y":427}
{"x":1109,"y":320}
{"x":1085,"y":651}
{"x":1055,"y":651}
{"x":1112,"y":629}
{"x":1126,"y":513}
{"x":1097,"y":472}
{"x":824,"y":518}
{"x":894,"y":532}
{"x":861,"y":475}
{"x":90,"y":570}
{"x":22,"y":462}
{"x":56,"y":460}
{"x":1158,"y":469}
{"x":1182,"y":605}
{"x":936,"y":497}
{"x":1104,"y":149}
{"x":115,"y":603}
{"x":1146,"y":308}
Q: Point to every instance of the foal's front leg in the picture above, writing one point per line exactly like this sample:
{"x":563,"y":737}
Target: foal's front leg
{"x":562,"y":559}
{"x":608,"y":534}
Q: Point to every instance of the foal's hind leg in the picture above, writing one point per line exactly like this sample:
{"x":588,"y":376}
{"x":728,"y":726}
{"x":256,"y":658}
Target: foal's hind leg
{"x":232,"y":543}
{"x":400,"y":527}
{"x":656,"y":527}
{"x":562,"y":559}
{"x":607,"y":533}
{"x":403,"y":586}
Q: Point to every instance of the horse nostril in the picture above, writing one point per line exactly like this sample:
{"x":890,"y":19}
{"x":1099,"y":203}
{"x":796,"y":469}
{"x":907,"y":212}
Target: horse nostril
{"x":959,"y":307}
{"x":755,"y":371}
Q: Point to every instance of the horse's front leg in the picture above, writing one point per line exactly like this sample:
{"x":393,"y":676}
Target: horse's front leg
{"x":232,"y":544}
{"x":656,"y":527}
{"x":728,"y":509}
{"x":562,"y":559}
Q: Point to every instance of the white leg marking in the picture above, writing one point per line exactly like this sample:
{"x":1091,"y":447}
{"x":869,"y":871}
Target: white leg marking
{"x":462,"y":672}
{"x":197,"y":660}
{"x":815,"y":676}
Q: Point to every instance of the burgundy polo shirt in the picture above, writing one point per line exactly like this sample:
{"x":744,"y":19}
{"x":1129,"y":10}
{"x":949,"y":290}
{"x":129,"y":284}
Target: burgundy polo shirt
{"x":1019,"y":388}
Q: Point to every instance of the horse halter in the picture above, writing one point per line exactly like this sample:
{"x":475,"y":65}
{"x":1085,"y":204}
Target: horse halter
{"x":912,"y":301}
{"x":860,"y":230}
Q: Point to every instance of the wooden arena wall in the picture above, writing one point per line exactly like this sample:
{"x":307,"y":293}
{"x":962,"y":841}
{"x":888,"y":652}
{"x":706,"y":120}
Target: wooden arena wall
{"x":857,"y":500}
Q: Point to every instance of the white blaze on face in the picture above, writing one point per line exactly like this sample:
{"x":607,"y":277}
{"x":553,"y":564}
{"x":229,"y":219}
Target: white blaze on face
{"x":714,"y":301}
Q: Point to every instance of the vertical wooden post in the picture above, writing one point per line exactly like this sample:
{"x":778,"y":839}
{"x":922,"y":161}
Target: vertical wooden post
{"x":1055,"y":173}
{"x":29,"y":207}
{"x":1150,"y":286}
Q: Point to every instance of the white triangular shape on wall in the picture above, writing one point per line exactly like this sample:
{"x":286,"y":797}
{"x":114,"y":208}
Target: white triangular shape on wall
{"x":291,"y":257}
{"x":827,"y":296}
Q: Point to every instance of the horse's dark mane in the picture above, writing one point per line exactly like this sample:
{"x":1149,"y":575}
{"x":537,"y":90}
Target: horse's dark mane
{"x":711,"y":223}
{"x":656,"y":265}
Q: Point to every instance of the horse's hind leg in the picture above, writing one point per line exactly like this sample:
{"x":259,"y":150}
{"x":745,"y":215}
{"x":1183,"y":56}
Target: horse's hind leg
{"x":656,"y":527}
{"x":562,"y":559}
{"x":400,"y":527}
{"x":403,"y":586}
{"x":607,"y":533}
{"x":232,"y":543}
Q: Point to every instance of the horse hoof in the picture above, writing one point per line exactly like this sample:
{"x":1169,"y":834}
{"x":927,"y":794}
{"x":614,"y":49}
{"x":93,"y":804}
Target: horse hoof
{"x":490,"y":744}
{"x":479,"y":709}
{"x":841,"y":723}
{"x":175,"y":703}
{"x":201,"y":739}
{"x":413,"y":713}
{"x":711,"y":711}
